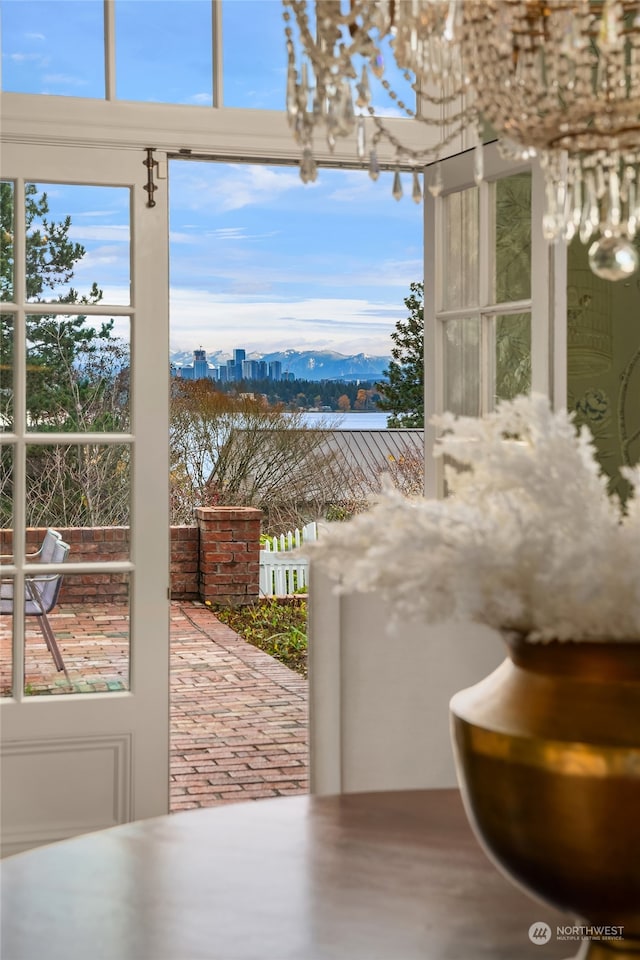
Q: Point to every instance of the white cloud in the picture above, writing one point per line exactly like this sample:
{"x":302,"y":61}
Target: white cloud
{"x":92,"y":213}
{"x":225,"y":321}
{"x":64,"y":79}
{"x":35,"y":36}
{"x":201,"y":98}
{"x":109,"y":232}
{"x":253,"y":275}
{"x":176,"y":237}
{"x":234,"y":186}
{"x":19,"y":57}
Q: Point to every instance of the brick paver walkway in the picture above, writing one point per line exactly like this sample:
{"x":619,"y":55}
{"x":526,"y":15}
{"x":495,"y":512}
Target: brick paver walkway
{"x":238,"y":717}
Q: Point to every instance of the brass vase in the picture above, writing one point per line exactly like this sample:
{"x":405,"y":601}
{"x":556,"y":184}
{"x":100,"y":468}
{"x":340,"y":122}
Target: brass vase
{"x":548,"y":758}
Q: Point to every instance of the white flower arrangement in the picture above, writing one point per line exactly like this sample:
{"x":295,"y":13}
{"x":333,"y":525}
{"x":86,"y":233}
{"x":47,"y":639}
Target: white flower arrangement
{"x":528,"y":539}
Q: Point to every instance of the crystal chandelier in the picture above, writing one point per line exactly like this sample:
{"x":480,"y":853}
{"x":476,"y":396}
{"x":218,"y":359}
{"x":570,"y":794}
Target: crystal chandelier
{"x":556,"y":79}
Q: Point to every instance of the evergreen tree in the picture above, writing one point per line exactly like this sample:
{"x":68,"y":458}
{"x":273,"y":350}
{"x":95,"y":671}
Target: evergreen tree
{"x":403,"y":390}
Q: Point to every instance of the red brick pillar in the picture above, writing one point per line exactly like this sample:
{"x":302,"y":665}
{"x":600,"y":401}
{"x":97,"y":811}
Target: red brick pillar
{"x":229,"y":554}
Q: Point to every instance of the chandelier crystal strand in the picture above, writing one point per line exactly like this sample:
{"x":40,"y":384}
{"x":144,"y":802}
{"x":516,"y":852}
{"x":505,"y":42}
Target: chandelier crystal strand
{"x":556,"y":79}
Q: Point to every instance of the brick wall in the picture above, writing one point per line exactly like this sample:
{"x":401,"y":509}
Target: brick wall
{"x":217,"y":560}
{"x":229,"y":553}
{"x":185,"y":548}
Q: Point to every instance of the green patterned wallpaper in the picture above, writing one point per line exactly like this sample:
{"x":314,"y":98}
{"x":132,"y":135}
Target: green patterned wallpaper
{"x":603,"y":352}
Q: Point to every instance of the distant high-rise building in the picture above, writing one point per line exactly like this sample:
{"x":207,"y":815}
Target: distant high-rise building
{"x":186,"y":371}
{"x":263,"y":370}
{"x":200,"y":365}
{"x":250,"y":369}
{"x":223,"y":374}
{"x":275,"y":370}
{"x":239,"y":356}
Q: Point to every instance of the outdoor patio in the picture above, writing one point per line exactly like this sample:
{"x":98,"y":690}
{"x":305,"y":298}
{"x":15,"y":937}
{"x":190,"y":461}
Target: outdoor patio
{"x":238,"y":717}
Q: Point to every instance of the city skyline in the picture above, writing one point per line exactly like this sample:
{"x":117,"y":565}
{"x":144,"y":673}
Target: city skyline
{"x":234,"y":370}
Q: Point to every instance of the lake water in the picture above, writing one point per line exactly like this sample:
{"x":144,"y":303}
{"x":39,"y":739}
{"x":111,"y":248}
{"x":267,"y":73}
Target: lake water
{"x":347,"y":421}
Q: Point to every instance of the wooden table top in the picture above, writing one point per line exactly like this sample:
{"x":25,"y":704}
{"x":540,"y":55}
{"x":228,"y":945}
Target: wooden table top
{"x":378,"y":876}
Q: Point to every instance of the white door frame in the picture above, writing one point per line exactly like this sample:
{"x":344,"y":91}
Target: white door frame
{"x":74,"y":763}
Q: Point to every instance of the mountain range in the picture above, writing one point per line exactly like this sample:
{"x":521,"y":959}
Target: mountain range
{"x":306,"y":364}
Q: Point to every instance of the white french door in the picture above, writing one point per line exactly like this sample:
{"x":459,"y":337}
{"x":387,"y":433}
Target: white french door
{"x":495,"y":294}
{"x":88,"y":749}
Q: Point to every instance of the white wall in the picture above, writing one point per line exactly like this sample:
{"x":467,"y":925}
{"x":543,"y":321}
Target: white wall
{"x":379,"y":701}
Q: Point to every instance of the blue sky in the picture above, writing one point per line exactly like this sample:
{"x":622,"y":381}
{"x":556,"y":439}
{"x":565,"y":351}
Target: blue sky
{"x":258,"y":259}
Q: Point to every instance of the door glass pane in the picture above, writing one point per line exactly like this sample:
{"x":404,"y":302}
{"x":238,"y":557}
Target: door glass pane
{"x":6,"y":557}
{"x":513,"y":355}
{"x":462,"y":366}
{"x":603,"y":355}
{"x":164,"y":51}
{"x":6,"y":501}
{"x":78,"y":373}
{"x":6,"y":372}
{"x":460,"y":250}
{"x":7,"y":229}
{"x":82,"y":486}
{"x":512,"y":263}
{"x":6,"y":635}
{"x":77,"y":243}
{"x":53,"y":48}
{"x":76,"y":634}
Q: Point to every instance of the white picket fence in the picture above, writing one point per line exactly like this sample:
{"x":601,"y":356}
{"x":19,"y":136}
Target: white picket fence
{"x":280,"y":573}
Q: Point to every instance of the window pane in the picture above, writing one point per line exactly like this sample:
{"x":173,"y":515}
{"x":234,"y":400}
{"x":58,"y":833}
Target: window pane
{"x":513,"y":355}
{"x":53,"y":48}
{"x":86,"y":618}
{"x":460,"y":250}
{"x":7,"y":229}
{"x":255,"y":59}
{"x":80,"y":485}
{"x":512,"y":278}
{"x":6,"y":500}
{"x":6,"y":372}
{"x":77,"y":243}
{"x":164,"y":51}
{"x":462,"y":366}
{"x":6,"y":632}
{"x":78,"y":373}
{"x":266,"y":20}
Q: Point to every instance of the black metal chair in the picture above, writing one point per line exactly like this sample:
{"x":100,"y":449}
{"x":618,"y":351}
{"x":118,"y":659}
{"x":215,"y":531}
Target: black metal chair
{"x":41,"y":592}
